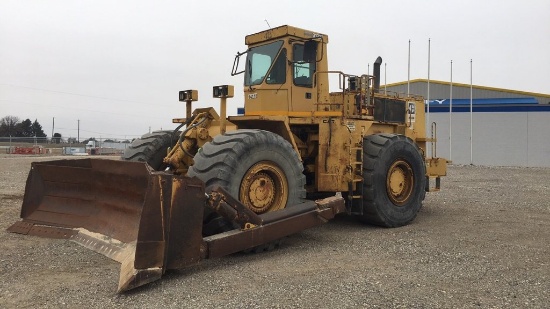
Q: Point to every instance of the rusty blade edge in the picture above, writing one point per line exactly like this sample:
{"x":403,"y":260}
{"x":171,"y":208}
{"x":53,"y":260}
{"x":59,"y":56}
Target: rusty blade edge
{"x":26,"y":227}
{"x":124,"y":253}
{"x":103,"y":244}
{"x":131,"y":278}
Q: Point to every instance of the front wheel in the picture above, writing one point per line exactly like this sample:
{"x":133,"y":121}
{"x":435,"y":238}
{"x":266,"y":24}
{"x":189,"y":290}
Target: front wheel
{"x":150,"y":148}
{"x":258,"y":167}
{"x":394,"y":180}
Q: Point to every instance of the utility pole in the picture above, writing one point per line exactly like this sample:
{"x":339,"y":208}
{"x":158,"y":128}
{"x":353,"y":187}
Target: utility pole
{"x":53,"y":128}
{"x":78,"y":134}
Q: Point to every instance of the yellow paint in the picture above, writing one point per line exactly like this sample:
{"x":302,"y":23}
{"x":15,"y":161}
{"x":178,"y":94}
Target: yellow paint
{"x":294,"y":114}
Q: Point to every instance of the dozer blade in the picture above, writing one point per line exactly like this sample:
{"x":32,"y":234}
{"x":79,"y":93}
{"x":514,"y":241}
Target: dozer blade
{"x":146,"y":220}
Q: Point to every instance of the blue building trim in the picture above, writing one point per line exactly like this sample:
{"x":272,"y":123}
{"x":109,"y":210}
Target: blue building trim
{"x":488,"y":105}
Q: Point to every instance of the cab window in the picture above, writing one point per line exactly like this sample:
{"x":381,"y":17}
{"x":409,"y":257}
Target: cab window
{"x":277,"y":75}
{"x":258,"y":61}
{"x":302,"y":72}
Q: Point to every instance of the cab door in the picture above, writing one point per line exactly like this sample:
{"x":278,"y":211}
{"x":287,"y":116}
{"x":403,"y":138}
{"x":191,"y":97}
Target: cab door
{"x":266,"y":81}
{"x":304,"y":95}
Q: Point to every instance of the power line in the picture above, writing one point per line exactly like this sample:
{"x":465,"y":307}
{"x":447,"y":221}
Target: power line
{"x":101,"y":133}
{"x":83,"y":109}
{"x":76,"y":94}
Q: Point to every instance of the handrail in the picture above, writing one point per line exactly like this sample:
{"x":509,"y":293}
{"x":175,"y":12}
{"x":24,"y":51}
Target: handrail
{"x":434,"y":139}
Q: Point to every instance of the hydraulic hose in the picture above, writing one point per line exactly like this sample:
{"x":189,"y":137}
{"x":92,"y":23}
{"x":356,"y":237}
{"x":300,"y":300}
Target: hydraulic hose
{"x":185,"y":132}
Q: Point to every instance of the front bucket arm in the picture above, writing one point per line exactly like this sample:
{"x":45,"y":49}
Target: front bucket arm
{"x":146,"y":220}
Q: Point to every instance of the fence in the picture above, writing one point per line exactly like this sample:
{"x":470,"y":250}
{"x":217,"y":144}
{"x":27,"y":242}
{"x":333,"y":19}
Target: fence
{"x":32,"y":145}
{"x":55,"y":141}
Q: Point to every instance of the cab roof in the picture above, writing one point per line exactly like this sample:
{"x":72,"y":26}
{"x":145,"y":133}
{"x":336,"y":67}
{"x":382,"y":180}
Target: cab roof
{"x":282,"y":31}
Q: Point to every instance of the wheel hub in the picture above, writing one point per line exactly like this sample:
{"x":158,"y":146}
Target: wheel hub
{"x":399,"y":182}
{"x":262,"y":191}
{"x":264,"y":188}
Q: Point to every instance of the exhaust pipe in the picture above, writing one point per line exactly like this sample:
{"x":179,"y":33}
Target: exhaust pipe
{"x":376,"y":73}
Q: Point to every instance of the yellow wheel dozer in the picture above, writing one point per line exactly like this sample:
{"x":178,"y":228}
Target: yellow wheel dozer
{"x":297,"y":156}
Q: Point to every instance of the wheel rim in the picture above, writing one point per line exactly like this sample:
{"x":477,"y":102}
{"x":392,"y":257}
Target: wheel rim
{"x":264,"y":188}
{"x":400,"y":182}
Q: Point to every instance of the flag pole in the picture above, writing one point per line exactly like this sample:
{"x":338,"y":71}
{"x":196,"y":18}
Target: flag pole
{"x":409,"y":71}
{"x":428,"y":98}
{"x":471,"y":118}
{"x":451,"y":116}
{"x":385,"y":81}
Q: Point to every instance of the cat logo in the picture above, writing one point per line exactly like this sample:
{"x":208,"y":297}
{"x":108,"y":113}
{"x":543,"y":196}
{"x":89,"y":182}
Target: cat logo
{"x":411,"y":114}
{"x":412,"y":109}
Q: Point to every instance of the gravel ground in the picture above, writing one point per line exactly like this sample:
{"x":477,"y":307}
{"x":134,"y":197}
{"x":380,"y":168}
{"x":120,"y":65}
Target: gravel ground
{"x":482,"y":242}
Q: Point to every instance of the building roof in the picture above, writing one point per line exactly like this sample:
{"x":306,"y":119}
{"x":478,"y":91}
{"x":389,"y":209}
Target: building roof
{"x":496,"y":101}
{"x":423,"y":80}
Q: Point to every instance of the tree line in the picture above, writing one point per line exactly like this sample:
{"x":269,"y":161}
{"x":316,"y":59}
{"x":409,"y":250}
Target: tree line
{"x":14,"y":127}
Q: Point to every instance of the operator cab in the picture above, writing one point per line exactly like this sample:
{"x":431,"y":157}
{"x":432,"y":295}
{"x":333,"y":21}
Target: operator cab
{"x":279,"y":72}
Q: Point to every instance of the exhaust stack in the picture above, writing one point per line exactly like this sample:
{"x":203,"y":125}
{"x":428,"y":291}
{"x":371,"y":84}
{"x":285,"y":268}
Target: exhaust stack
{"x":376,"y":73}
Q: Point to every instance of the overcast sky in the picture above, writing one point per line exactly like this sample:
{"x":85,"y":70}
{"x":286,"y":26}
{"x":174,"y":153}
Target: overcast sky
{"x":118,"y":65}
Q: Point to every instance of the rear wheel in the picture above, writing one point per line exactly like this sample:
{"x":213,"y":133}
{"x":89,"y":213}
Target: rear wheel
{"x":394,"y":180}
{"x":150,"y":148}
{"x":258,"y":167}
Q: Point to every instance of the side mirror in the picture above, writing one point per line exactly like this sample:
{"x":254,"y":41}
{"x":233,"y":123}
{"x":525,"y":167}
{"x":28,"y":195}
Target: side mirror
{"x":310,"y":51}
{"x":235,"y":69}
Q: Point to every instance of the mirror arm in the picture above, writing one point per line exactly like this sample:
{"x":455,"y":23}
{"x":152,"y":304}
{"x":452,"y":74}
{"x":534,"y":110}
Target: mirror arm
{"x":236,"y":64}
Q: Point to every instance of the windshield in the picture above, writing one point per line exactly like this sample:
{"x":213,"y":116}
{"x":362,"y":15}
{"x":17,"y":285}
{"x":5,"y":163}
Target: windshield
{"x":258,"y":62}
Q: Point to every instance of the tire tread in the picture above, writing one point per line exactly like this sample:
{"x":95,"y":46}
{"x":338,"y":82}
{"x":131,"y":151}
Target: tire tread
{"x":374,"y":149}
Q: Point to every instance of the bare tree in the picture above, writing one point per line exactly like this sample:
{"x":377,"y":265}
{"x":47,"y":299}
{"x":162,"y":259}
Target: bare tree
{"x":8,"y":126}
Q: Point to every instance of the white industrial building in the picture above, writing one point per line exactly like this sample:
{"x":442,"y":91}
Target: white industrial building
{"x":510,"y":128}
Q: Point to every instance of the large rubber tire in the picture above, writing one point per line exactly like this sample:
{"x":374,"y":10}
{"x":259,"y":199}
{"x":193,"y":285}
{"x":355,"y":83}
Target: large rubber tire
{"x":394,"y":180}
{"x":242,"y":162}
{"x":150,"y":148}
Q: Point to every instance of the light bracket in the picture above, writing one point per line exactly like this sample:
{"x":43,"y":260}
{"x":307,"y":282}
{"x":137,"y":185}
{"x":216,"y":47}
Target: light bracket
{"x":189,"y":95}
{"x":223,"y":91}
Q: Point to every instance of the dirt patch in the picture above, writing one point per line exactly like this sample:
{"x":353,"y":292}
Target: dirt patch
{"x":483,"y":241}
